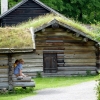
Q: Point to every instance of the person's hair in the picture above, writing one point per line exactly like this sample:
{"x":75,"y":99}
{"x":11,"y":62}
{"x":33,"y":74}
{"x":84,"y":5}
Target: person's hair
{"x":15,"y":64}
{"x":16,"y":61}
{"x":21,"y":60}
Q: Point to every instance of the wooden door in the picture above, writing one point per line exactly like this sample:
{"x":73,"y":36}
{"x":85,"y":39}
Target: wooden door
{"x":50,"y":62}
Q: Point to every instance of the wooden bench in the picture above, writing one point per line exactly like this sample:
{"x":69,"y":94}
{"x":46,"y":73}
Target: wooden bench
{"x":23,"y":82}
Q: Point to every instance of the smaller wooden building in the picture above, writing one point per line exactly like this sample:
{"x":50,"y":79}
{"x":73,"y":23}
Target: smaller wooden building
{"x":64,"y":50}
{"x":8,"y":56}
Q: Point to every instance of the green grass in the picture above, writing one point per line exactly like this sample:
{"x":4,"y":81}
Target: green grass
{"x":53,"y":82}
{"x":50,"y":82}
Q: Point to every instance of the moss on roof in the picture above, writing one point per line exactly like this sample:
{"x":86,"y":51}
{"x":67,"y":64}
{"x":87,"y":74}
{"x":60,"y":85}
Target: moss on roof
{"x":15,"y":38}
{"x":41,"y":20}
{"x":19,"y":36}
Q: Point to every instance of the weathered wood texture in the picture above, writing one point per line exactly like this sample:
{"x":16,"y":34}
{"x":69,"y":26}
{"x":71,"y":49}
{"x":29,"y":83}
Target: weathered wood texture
{"x":73,"y":54}
{"x":28,"y":10}
{"x":26,"y":81}
{"x":4,"y":71}
{"x":33,"y":63}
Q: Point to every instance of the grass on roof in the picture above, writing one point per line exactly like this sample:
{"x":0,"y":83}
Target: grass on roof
{"x":41,"y":20}
{"x":19,"y":36}
{"x":15,"y":38}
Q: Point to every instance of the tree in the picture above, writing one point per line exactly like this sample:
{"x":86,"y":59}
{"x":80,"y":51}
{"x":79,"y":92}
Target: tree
{"x":86,"y":11}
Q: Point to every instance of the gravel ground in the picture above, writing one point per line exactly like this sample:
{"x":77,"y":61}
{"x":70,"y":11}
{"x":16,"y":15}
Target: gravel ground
{"x":83,"y":91}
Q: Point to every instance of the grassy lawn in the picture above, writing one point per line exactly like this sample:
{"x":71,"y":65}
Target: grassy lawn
{"x":42,"y":83}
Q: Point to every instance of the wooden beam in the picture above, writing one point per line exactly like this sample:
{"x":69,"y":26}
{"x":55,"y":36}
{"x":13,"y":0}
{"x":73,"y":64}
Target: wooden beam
{"x":28,"y":84}
{"x":10,"y":72}
{"x":43,"y":30}
{"x":55,"y":25}
{"x":77,"y":34}
{"x":85,"y":39}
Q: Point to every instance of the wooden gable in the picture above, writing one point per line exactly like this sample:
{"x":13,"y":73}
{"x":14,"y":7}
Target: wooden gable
{"x":76,"y":52}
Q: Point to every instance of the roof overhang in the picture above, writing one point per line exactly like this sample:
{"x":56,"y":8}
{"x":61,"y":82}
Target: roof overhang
{"x":13,"y":50}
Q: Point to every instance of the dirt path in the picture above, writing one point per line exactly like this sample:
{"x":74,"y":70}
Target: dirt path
{"x":83,"y":91}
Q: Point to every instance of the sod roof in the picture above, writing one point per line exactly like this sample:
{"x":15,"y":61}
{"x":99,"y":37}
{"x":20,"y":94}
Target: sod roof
{"x":20,"y":37}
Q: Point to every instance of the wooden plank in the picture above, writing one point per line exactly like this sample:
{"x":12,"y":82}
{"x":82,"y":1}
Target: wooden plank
{"x":51,"y":48}
{"x":57,"y":30}
{"x":77,"y":68}
{"x":80,"y":48}
{"x":32,"y":65}
{"x":47,"y":51}
{"x":31,"y":56}
{"x":3,"y":57}
{"x":4,"y":67}
{"x":87,"y":55}
{"x":78,"y":51}
{"x":25,"y":79}
{"x":2,"y":75}
{"x":3,"y":79}
{"x":4,"y":85}
{"x":32,"y":60}
{"x":75,"y":72}
{"x":80,"y":64}
{"x":67,"y":49}
{"x":52,"y":33}
{"x":3,"y":62}
{"x":3,"y":70}
{"x":80,"y":60}
{"x":22,"y":84}
{"x":32,"y":70}
{"x":62,"y":43}
{"x":67,"y":73}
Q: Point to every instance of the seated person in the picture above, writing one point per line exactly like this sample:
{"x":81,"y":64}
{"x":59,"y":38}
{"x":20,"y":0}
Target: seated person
{"x":18,"y":68}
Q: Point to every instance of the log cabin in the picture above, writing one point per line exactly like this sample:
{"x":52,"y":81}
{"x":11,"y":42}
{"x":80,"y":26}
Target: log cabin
{"x":65,"y":50}
{"x":62,"y":47}
{"x":11,"y":46}
{"x":24,"y":11}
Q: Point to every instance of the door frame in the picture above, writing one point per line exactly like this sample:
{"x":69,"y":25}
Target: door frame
{"x":56,"y":68}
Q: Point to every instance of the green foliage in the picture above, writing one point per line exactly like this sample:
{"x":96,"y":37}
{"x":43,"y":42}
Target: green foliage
{"x":11,"y":3}
{"x":42,"y":83}
{"x":86,"y":11}
{"x":38,"y":75}
{"x":88,"y":72}
{"x":53,"y":82}
{"x":17,"y":94}
{"x":98,"y":87}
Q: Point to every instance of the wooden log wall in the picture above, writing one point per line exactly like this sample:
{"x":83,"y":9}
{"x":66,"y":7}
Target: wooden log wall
{"x":74,"y":55}
{"x":33,"y":63}
{"x":4,"y":71}
{"x":28,"y":10}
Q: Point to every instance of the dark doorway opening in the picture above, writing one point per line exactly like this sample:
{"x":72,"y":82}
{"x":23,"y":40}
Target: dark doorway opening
{"x":49,"y":62}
